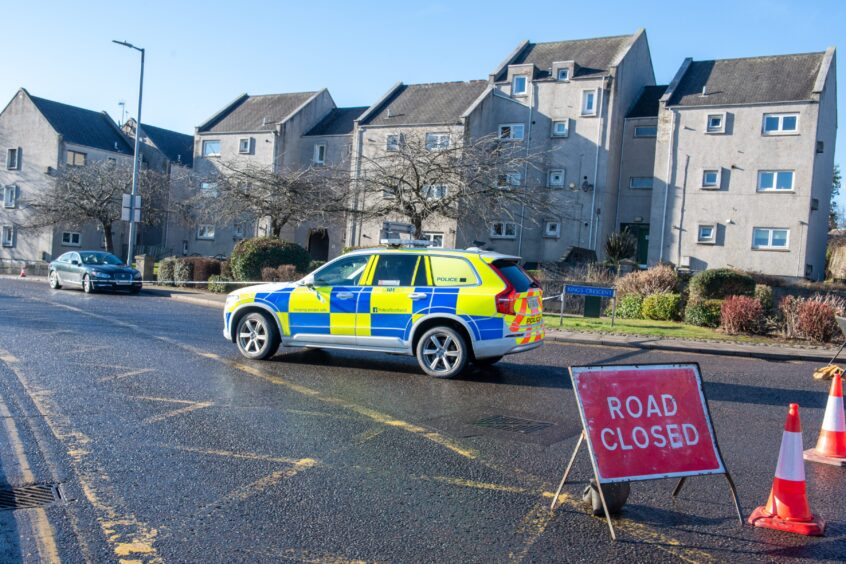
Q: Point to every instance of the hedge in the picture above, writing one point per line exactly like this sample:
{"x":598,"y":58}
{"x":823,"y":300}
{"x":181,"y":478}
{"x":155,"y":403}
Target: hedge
{"x":720,"y":283}
{"x":165,"y":275}
{"x":630,"y":307}
{"x":220,"y":284}
{"x":704,"y":313}
{"x":661,"y":307}
{"x":250,"y":256}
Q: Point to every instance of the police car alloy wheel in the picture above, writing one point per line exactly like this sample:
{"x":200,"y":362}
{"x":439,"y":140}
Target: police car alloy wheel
{"x":54,"y":280}
{"x":256,"y":336}
{"x":442,"y":352}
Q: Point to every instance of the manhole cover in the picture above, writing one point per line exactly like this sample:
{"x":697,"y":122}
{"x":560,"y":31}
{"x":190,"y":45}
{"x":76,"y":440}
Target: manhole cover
{"x":513,"y":424}
{"x":27,"y":496}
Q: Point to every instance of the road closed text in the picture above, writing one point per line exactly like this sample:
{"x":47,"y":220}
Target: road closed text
{"x":644,"y":435}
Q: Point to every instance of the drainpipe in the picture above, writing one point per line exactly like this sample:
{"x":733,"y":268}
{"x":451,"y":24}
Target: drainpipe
{"x":591,"y":234}
{"x":526,"y":167}
{"x":620,"y":179}
{"x":667,"y":183}
{"x":353,"y":231}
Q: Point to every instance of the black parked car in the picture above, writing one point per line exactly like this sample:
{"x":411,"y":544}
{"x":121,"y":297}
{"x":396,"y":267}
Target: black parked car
{"x":92,"y":271}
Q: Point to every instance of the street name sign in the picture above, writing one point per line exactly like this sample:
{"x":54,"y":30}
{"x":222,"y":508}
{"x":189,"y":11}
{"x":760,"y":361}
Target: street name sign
{"x":575,"y":290}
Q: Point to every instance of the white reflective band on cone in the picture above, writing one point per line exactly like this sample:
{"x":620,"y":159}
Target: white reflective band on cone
{"x":791,"y":465}
{"x":834,"y":418}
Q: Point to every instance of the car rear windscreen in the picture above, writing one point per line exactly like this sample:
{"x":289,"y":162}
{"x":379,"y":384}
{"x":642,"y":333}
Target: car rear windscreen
{"x":512,"y":271}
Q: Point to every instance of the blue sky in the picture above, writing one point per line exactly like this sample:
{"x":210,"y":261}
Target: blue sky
{"x":201,"y":55}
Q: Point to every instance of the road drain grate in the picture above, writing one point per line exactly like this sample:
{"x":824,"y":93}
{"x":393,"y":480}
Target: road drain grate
{"x":513,"y":424}
{"x":27,"y":497}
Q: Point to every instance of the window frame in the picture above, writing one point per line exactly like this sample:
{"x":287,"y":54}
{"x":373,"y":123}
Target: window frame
{"x":430,"y":191}
{"x":512,"y":179}
{"x":73,"y":161}
{"x":584,"y":109}
{"x":715,"y":130}
{"x":566,"y":71}
{"x":775,"y":174}
{"x":371,"y":277}
{"x":16,"y":165}
{"x":556,"y":171}
{"x":511,"y":127}
{"x":556,"y":234}
{"x":632,"y":182}
{"x":316,"y":157}
{"x":245,"y":150}
{"x":780,"y":130}
{"x":769,"y":246}
{"x":504,"y":234}
{"x":430,"y":235}
{"x":205,"y":235}
{"x":439,"y":146}
{"x":706,"y":240}
{"x":566,"y":133}
{"x":653,"y":135}
{"x":70,"y":242}
{"x":10,"y":203}
{"x":525,"y":80}
{"x":393,"y":147}
{"x":206,"y":143}
{"x":717,"y":182}
{"x":10,"y":241}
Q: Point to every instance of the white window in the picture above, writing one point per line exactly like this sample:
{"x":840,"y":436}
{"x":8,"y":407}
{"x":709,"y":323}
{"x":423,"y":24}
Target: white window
{"x":209,"y":189}
{"x":434,"y":191}
{"x":211,"y":148}
{"x":770,"y":238}
{"x":511,"y":131}
{"x":70,"y":239}
{"x":437,"y":141}
{"x":775,"y":181}
{"x":509,"y":179}
{"x":561,"y":128}
{"x":436,"y":239}
{"x":556,"y":178}
{"x":503,"y":230}
{"x":588,"y":102}
{"x":75,"y":158}
{"x":646,"y":131}
{"x":564,"y":74}
{"x":781,"y":124}
{"x":715,"y":123}
{"x":393,"y":142}
{"x":244,"y":145}
{"x":8,"y":236}
{"x":518,"y":85}
{"x":552,"y":229}
{"x":205,"y":232}
{"x":711,"y":179}
{"x":319,"y":157}
{"x":10,"y":196}
{"x":707,"y":234}
{"x":640,"y":182}
{"x":13,"y":159}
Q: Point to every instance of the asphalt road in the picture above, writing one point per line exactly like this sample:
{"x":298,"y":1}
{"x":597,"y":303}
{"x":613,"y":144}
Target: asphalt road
{"x":167,"y":446}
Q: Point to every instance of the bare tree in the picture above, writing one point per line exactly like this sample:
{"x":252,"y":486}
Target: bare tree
{"x":93,"y":194}
{"x":482,"y":178}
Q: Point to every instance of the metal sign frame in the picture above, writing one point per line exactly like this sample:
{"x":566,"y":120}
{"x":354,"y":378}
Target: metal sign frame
{"x":579,"y":292}
{"x":573,"y":370}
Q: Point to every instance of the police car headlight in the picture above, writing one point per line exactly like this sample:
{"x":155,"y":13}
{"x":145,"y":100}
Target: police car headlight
{"x":100,"y":274}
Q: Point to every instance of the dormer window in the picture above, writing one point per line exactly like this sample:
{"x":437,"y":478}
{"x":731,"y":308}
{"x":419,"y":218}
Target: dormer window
{"x":564,"y":74}
{"x":518,"y":85}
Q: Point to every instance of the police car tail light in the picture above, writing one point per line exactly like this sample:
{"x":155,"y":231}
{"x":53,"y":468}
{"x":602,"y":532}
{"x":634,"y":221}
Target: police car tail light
{"x":506,"y":299}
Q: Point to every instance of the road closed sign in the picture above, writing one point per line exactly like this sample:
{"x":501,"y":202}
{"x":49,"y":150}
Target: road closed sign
{"x":644,"y":422}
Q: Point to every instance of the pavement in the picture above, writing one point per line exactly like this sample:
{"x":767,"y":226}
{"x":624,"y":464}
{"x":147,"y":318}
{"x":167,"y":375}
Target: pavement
{"x":166,"y":445}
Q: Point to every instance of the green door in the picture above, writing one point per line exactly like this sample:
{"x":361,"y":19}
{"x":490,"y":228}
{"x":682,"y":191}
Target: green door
{"x":641,"y":233}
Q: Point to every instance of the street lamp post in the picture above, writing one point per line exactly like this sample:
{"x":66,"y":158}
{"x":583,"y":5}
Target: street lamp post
{"x":136,"y":165}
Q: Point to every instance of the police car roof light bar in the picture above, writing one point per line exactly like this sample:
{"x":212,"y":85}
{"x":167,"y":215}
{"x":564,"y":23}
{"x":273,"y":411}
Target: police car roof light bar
{"x":406,"y":242}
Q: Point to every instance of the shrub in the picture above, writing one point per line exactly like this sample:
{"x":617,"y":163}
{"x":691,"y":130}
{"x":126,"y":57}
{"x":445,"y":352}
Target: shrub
{"x":789,"y":308}
{"x":661,"y":307}
{"x":837,"y":303}
{"x":815,"y":321}
{"x":720,"y":283}
{"x":283,"y":273}
{"x":251,"y":255}
{"x":165,"y":276}
{"x":220,"y":284}
{"x":741,"y":314}
{"x":659,"y":279}
{"x":226,"y":270}
{"x":764,"y":295}
{"x":183,"y":271}
{"x":704,"y":313}
{"x":203,"y":267}
{"x":630,"y":306}
{"x":620,"y":246}
{"x":315,"y":264}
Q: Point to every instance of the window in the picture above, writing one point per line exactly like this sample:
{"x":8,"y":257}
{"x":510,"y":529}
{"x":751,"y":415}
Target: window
{"x":820,"y":147}
{"x":10,"y":196}
{"x":707,"y":234}
{"x":319,"y":157}
{"x":70,"y":239}
{"x":770,"y":238}
{"x":588,"y":102}
{"x":393,"y":143}
{"x":503,"y":230}
{"x":508,"y":179}
{"x":75,"y":158}
{"x":561,"y":128}
{"x":437,"y":141}
{"x":205,"y":232}
{"x":211,"y":148}
{"x":564,"y":74}
{"x":342,"y":272}
{"x":815,"y":204}
{"x":435,"y":191}
{"x":452,"y":271}
{"x":640,"y":182}
{"x":8,"y":236}
{"x":715,"y":123}
{"x":209,"y":189}
{"x":775,"y":181}
{"x":511,"y":131}
{"x":436,"y":239}
{"x":518,"y":85}
{"x":646,"y":131}
{"x":13,"y":159}
{"x":781,"y":124}
{"x":395,"y":270}
{"x":711,"y":179}
{"x":556,"y":179}
{"x":244,"y":146}
{"x":552,"y":229}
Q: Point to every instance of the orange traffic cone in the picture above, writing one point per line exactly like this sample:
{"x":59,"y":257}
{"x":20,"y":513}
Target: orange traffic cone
{"x":23,"y":271}
{"x":787,"y":508}
{"x":831,"y":446}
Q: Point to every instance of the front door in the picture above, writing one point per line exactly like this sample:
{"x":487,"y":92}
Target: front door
{"x":640,"y":231}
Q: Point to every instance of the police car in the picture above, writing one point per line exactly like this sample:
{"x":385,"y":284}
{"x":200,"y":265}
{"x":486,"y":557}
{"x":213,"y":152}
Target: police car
{"x":446,"y":307}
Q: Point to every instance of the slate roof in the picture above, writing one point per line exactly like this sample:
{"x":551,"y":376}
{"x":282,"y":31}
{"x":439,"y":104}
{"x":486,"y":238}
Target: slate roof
{"x":255,"y":113}
{"x":779,"y":78}
{"x":339,"y":121}
{"x":435,"y":103}
{"x":648,"y":102}
{"x":592,"y":56}
{"x":83,"y":127}
{"x":177,"y":147}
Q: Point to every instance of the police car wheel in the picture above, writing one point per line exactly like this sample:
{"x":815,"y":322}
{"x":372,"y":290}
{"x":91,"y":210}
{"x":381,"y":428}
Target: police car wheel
{"x":54,"y":280}
{"x":256,"y":336}
{"x":442,"y":352}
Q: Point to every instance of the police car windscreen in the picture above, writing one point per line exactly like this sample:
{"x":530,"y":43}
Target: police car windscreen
{"x":515,"y":274}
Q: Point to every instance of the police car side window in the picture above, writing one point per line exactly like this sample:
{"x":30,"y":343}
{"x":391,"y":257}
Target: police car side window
{"x":343,"y":272}
{"x":395,"y":270}
{"x":452,"y":271}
